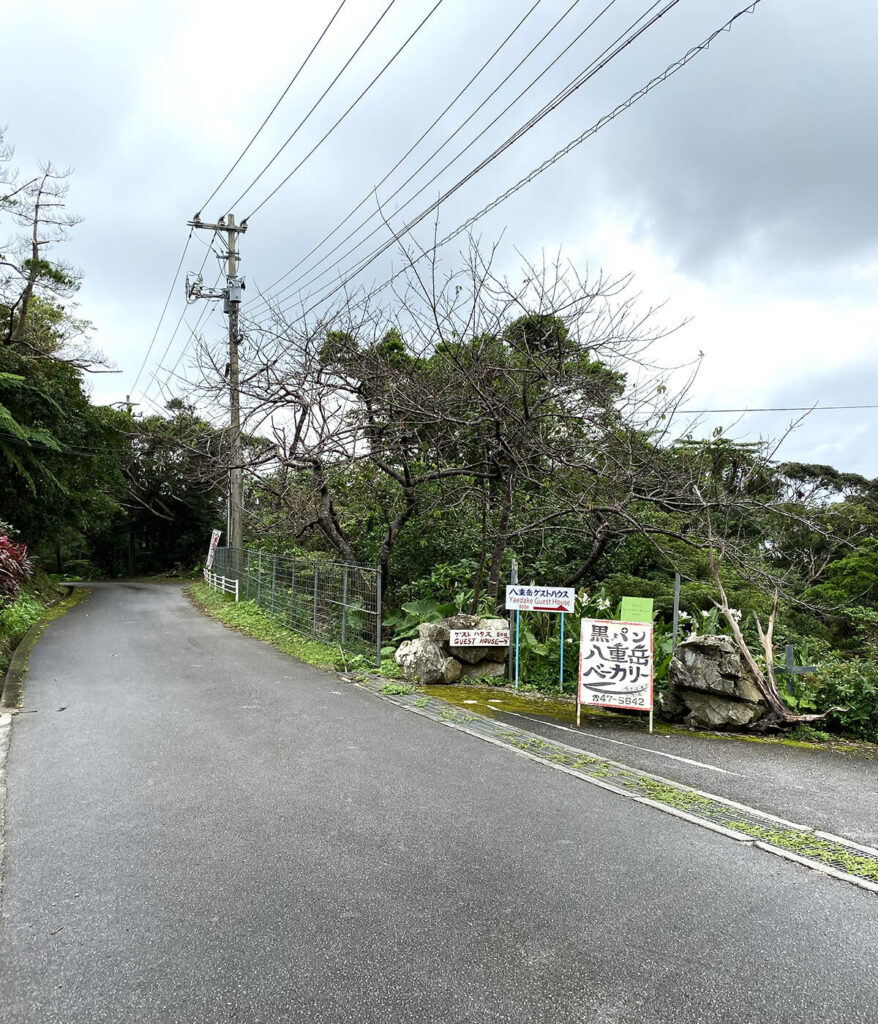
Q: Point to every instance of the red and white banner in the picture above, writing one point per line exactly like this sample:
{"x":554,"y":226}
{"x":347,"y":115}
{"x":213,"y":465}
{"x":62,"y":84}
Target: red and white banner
{"x":214,"y":540}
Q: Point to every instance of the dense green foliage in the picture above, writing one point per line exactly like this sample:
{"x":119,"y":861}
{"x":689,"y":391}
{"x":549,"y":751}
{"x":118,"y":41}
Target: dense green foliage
{"x":89,"y":489}
{"x":474,"y":425}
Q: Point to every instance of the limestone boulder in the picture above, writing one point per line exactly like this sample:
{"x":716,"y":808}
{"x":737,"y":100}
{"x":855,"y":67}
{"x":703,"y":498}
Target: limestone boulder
{"x":709,"y":686}
{"x":498,"y":654}
{"x":483,"y":670}
{"x":712,"y":664}
{"x":710,"y":711}
{"x":425,"y":662}
{"x":440,"y":634}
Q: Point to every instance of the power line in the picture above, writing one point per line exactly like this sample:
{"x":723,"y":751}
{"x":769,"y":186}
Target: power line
{"x":179,"y":322}
{"x":456,"y":131}
{"x":320,"y":99}
{"x":414,"y":146}
{"x":164,"y":310}
{"x":320,"y":142}
{"x":291,"y":83}
{"x":779,"y":408}
{"x":606,"y":56}
{"x":192,"y":334}
{"x":643,"y":91}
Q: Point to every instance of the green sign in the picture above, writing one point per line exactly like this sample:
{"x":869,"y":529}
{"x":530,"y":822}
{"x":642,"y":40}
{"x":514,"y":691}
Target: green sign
{"x":636,"y":609}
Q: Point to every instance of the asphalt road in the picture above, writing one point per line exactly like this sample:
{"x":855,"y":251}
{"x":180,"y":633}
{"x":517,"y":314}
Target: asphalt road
{"x":824,"y":789}
{"x":200,"y":829}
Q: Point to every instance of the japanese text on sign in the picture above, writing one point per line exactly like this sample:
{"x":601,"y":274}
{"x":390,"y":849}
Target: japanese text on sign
{"x":616,"y":664}
{"x":214,"y":540}
{"x":540,"y":599}
{"x":479,"y":638}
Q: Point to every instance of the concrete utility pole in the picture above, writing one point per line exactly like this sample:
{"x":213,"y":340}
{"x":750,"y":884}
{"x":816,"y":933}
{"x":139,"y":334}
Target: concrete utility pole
{"x":231,"y":296}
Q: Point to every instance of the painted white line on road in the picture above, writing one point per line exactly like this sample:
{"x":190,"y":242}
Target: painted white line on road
{"x":621,"y":743}
{"x":740,"y":837}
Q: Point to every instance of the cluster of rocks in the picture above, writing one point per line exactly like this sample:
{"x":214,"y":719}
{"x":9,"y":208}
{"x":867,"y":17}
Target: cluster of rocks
{"x":709,"y":686}
{"x":431,"y":659}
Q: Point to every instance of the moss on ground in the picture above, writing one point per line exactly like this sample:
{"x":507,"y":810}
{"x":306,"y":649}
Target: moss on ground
{"x":813,"y":848}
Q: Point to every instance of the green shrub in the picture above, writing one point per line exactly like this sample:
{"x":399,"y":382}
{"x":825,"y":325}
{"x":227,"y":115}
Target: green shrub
{"x":17,"y":618}
{"x":851,"y":684}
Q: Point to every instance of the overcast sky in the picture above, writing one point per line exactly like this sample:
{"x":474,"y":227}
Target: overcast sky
{"x":741,"y":191}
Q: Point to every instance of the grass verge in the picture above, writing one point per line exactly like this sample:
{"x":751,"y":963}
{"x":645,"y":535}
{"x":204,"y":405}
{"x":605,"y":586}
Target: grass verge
{"x":248,"y":618}
{"x":12,"y":682}
{"x":18,"y":617}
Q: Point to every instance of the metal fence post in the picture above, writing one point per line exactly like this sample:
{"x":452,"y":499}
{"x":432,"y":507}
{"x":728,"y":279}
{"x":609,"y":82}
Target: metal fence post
{"x":293,"y":592}
{"x":259,"y":580}
{"x":273,"y":580}
{"x":344,"y":604}
{"x":316,"y":571}
{"x":378,"y":613}
{"x":248,"y":573}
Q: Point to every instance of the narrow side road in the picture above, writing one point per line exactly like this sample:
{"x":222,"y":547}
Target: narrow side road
{"x":200,"y":829}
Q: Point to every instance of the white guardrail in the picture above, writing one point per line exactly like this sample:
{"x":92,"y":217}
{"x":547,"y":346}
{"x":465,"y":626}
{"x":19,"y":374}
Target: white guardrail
{"x":221,"y":583}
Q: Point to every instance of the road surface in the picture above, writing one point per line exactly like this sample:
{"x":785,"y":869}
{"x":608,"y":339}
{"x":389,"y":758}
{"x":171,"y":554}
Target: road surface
{"x":200,"y":829}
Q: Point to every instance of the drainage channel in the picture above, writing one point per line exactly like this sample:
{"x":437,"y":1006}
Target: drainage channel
{"x":818,"y":850}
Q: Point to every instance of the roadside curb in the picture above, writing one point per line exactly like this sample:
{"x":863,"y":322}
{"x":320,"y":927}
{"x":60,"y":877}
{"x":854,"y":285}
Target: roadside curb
{"x":551,"y":753}
{"x":13,"y":681}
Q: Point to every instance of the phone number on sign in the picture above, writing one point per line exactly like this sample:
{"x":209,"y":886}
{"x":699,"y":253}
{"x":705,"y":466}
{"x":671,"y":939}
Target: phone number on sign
{"x":615,"y":701}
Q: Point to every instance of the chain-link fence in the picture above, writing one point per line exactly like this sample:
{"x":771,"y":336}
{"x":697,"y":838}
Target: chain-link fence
{"x":333,"y":602}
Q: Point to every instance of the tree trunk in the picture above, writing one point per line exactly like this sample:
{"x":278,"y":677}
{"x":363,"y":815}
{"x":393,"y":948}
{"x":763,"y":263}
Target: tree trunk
{"x":483,"y":554}
{"x":501,"y":539}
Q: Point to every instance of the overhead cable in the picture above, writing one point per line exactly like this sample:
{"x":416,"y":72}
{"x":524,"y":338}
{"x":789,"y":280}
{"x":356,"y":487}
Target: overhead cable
{"x":324,"y":137}
{"x":607,"y":55}
{"x":319,"y":100}
{"x":164,"y":310}
{"x":281,"y":98}
{"x":424,"y":134}
{"x":479,"y":135}
{"x":626,"y":104}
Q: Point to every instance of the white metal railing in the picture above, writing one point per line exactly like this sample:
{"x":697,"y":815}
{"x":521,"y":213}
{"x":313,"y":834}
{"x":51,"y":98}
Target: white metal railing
{"x":223,"y":583}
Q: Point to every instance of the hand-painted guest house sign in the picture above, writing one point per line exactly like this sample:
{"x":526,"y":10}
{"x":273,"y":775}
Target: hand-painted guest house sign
{"x":479,"y":638}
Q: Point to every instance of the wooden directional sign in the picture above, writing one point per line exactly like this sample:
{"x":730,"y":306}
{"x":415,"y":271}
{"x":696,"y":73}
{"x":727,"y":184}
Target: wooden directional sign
{"x":540,"y":599}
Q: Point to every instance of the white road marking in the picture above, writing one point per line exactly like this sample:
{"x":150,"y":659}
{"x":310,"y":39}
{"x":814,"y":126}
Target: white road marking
{"x":621,"y":743}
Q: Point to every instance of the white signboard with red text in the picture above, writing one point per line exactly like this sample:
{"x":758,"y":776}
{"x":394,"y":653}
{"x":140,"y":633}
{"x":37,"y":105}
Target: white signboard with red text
{"x":539,"y":599}
{"x":616,"y":664}
{"x":214,"y":540}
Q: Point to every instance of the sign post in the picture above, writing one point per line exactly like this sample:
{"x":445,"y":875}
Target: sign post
{"x":539,"y":599}
{"x":615,"y":666}
{"x":561,"y":672}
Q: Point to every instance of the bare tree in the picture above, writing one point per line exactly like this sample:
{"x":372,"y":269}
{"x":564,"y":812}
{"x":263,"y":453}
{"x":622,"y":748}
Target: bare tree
{"x":538,"y":403}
